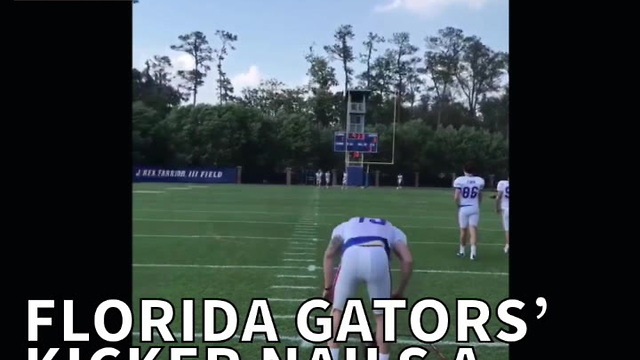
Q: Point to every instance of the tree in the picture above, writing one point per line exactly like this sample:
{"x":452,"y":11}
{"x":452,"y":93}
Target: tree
{"x":225,"y":88}
{"x":366,"y":56}
{"x":322,"y":77}
{"x":480,"y":72}
{"x":442,"y":64}
{"x":153,"y":87}
{"x":453,"y":102}
{"x":197,"y":46}
{"x":343,"y":51}
{"x":402,"y":65}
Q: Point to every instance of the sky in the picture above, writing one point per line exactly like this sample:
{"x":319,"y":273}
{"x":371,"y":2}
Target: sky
{"x":274,"y":35}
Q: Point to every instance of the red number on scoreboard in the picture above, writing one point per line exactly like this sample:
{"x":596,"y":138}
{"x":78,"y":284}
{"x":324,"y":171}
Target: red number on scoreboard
{"x":356,"y":154}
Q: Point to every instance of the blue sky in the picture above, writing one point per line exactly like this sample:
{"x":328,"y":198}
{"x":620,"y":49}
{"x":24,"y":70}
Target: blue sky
{"x":274,"y":35}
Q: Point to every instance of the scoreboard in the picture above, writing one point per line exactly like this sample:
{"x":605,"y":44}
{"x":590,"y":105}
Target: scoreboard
{"x":355,"y":142}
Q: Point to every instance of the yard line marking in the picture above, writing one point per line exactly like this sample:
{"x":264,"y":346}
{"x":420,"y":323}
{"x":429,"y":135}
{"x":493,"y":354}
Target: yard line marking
{"x":299,"y":260}
{"x":299,"y":253}
{"x":292,"y":287}
{"x":403,"y":340}
{"x":297,"y":276}
{"x":275,"y":213}
{"x":179,"y":188}
{"x":451,"y":243}
{"x":304,"y":238}
{"x":286,"y":223}
{"x":198,"y":266}
{"x":148,"y":192}
{"x":313,"y":268}
{"x":287,"y":300}
{"x":284,"y":316}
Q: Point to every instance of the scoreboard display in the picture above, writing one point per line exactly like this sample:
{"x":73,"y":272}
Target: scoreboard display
{"x":355,"y":142}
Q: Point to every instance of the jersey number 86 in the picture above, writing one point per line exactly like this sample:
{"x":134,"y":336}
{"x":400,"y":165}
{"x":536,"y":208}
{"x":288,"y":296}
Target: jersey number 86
{"x":470,"y":193}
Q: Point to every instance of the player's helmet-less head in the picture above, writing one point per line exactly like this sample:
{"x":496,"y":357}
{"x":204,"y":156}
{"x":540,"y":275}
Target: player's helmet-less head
{"x":470,"y":168}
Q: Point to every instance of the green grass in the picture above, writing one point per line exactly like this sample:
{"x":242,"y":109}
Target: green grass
{"x":235,"y":228}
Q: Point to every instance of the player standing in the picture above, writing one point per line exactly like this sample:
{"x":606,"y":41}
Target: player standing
{"x":327,"y":178}
{"x":366,"y":245}
{"x":319,"y":177}
{"x":399,"y":182}
{"x":344,"y":180}
{"x":502,"y":207}
{"x":468,"y":197}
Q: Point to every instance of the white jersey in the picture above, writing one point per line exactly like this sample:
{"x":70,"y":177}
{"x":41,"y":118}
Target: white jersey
{"x":503,"y":187}
{"x":327,"y":176}
{"x":361,"y":231}
{"x":399,"y":179}
{"x":344,"y":177}
{"x":470,"y":187}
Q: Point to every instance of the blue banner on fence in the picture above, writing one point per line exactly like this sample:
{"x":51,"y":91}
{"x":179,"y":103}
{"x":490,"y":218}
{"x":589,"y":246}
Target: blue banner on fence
{"x":213,"y":175}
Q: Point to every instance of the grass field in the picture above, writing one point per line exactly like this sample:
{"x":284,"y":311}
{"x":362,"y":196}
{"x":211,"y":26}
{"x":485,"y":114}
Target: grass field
{"x":240,"y":242}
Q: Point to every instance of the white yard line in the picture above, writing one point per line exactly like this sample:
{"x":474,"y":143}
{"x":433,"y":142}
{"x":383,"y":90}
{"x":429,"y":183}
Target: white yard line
{"x":309,"y":268}
{"x":275,"y":213}
{"x":285,"y":223}
{"x":296,"y":276}
{"x":297,"y":339}
{"x":293,"y":287}
{"x":294,"y":240}
{"x":300,"y":260}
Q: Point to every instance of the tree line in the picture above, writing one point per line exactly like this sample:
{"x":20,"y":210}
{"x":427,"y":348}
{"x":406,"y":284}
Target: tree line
{"x":449,"y":97}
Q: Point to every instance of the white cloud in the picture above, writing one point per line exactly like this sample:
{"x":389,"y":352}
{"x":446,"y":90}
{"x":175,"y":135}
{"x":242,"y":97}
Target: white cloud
{"x":428,"y":7}
{"x":183,"y":62}
{"x":250,"y":78}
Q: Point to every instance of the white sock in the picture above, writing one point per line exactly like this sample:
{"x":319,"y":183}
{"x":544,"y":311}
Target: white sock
{"x":473,"y":250}
{"x":335,"y":352}
{"x":462,"y":249}
{"x":384,"y":356}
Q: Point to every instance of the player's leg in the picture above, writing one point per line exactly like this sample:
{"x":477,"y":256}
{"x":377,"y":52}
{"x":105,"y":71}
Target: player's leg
{"x":345,"y":285}
{"x":378,"y":280}
{"x":505,"y":224}
{"x":474,"y":219}
{"x":463,"y":223}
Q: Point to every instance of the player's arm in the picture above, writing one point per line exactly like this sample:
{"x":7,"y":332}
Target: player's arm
{"x":456,"y":193}
{"x":500,"y":189}
{"x":401,"y":249}
{"x":330,"y":255}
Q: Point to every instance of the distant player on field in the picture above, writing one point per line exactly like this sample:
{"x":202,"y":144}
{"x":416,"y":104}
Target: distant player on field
{"x":468,"y":197}
{"x":366,"y":245}
{"x":319,"y":178}
{"x":399,"y":182}
{"x":502,"y":208}
{"x":344,"y":180}
{"x":327,"y":178}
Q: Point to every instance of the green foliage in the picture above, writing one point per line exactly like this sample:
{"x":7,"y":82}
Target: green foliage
{"x":449,"y":102}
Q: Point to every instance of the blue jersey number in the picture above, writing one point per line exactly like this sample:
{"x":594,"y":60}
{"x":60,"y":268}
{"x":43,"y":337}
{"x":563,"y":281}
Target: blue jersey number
{"x":506,"y":192}
{"x":469,"y":193}
{"x":373,"y":221}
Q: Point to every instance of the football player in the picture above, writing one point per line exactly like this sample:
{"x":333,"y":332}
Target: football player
{"x":366,"y":245}
{"x":468,"y":197}
{"x":502,"y":208}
